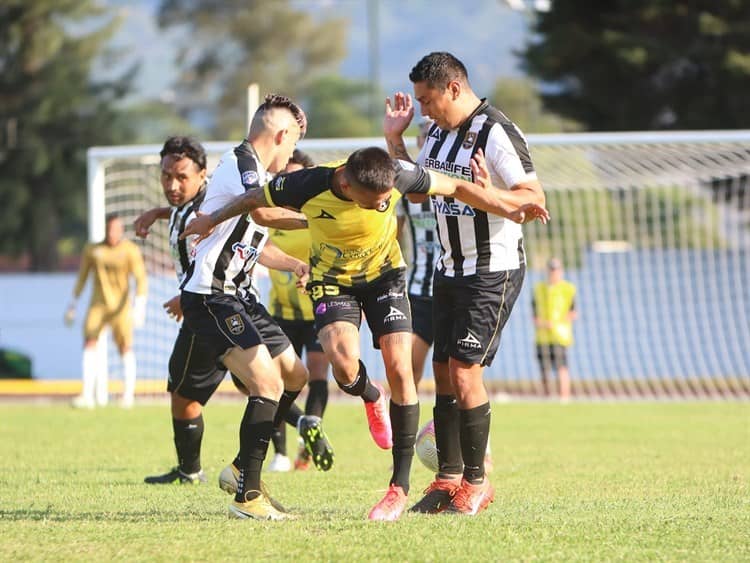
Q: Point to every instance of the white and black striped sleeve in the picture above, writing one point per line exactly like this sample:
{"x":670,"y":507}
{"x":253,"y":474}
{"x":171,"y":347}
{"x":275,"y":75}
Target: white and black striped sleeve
{"x":507,"y":154}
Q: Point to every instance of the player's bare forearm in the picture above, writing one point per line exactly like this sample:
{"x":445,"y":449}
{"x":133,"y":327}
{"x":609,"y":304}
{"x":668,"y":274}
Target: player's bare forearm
{"x":279,"y":218}
{"x":252,"y":199}
{"x":397,"y":148}
{"x":517,"y":205}
{"x":276,"y":259}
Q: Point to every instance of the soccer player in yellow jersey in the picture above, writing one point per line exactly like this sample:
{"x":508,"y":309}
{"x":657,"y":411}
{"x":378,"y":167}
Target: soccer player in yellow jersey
{"x":554,"y":313}
{"x":293,"y":311}
{"x":356,"y":266}
{"x":112,"y":263}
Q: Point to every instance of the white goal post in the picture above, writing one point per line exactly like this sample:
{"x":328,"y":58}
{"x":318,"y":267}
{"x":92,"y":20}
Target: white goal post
{"x":653,"y":228}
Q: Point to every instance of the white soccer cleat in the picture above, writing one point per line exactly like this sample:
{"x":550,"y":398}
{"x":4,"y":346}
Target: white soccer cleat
{"x":280,"y":464}
{"x":81,"y":402}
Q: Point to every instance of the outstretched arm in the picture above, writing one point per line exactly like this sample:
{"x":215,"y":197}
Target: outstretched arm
{"x":279,"y":218}
{"x":273,"y":257}
{"x":397,"y":118}
{"x":144,"y":221}
{"x":203,"y":224}
{"x":524,"y":202}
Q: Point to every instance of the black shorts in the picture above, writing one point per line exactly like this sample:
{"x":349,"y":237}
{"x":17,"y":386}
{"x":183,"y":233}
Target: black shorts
{"x":551,"y":356}
{"x":193,"y":372}
{"x":222,"y":322}
{"x":421,"y":317}
{"x":383,"y":301}
{"x":469,"y":314}
{"x":302,"y":335}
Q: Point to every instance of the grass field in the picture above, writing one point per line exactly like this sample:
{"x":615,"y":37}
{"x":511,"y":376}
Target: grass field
{"x":596,"y":482}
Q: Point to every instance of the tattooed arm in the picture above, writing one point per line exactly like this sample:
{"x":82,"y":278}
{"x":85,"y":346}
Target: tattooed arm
{"x":203,"y":224}
{"x":396,"y":120}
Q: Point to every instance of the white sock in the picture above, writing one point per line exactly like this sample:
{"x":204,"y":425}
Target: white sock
{"x":128,"y":375}
{"x":89,"y":373}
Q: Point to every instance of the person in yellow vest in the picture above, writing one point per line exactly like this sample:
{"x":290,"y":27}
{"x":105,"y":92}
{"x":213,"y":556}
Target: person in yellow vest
{"x":293,"y":311}
{"x":554,"y":313}
{"x":112,"y":262}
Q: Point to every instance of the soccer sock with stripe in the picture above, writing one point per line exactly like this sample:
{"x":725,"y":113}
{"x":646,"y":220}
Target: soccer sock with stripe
{"x":475,"y":431}
{"x":448,"y":436}
{"x":317,"y":398}
{"x":404,"y":421}
{"x":255,"y":434}
{"x":188,"y":435}
{"x":362,"y":386}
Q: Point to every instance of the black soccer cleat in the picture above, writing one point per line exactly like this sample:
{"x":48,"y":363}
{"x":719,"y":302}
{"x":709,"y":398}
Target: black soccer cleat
{"x":316,"y":443}
{"x":176,"y":476}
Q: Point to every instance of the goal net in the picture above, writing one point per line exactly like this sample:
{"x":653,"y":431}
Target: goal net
{"x":652,"y":228}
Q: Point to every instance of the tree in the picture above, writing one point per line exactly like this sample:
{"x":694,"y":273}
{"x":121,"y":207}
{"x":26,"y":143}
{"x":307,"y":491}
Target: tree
{"x":522,"y":102}
{"x":233,"y":43}
{"x":645,"y":64}
{"x":50,"y":112}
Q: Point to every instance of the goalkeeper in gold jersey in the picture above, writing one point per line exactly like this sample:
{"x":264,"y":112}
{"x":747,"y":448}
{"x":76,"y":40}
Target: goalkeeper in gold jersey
{"x":293,"y":311}
{"x":112,"y":263}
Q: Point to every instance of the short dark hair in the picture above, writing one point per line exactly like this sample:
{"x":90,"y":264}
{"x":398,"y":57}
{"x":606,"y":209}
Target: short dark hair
{"x":439,"y":68}
{"x":372,"y":169}
{"x":185,"y":147}
{"x":301,"y":158}
{"x":272,"y":101}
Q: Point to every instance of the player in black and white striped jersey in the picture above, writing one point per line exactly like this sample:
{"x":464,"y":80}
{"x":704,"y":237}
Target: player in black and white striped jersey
{"x":480,"y":270}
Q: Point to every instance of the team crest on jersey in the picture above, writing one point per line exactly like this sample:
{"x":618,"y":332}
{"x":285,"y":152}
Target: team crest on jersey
{"x":469,"y":139}
{"x":250,"y":177}
{"x":278,"y":183}
{"x":244,"y":251}
{"x":383,"y":205}
{"x":235,"y":324}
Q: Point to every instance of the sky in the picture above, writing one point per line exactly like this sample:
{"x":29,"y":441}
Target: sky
{"x":482,"y":33}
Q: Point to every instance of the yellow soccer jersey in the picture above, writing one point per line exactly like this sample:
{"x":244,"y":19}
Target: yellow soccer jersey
{"x":553,"y":303}
{"x":350,"y":246}
{"x":286,"y":301}
{"x":112,"y":265}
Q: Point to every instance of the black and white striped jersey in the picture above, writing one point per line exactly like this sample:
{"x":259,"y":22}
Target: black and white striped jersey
{"x":224,"y":261}
{"x":181,"y":249}
{"x":419,"y":219}
{"x":471,"y":240}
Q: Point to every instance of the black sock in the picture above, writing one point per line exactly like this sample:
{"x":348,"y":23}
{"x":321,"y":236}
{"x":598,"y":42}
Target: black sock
{"x":255,"y":434}
{"x":447,"y":435}
{"x":405,"y":422}
{"x":317,"y":398}
{"x":293,"y":415}
{"x":475,"y":431}
{"x":188,"y":435}
{"x":362,"y":386}
{"x":279,"y":438}
{"x":285,"y":405}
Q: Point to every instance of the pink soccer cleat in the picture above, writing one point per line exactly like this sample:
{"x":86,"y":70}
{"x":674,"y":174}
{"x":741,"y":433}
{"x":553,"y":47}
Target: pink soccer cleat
{"x":379,"y":420}
{"x":391,"y":506}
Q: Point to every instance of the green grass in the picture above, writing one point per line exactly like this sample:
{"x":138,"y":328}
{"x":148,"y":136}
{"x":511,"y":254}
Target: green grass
{"x":596,"y":482}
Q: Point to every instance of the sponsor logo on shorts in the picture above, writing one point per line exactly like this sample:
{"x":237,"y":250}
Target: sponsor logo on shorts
{"x":394,"y":315}
{"x":250,"y":177}
{"x":390,"y":294}
{"x":469,"y":341}
{"x":235,"y":324}
{"x":321,"y":309}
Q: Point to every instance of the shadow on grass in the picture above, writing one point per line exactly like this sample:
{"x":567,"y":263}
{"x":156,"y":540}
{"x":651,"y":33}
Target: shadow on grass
{"x":25,"y":515}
